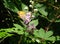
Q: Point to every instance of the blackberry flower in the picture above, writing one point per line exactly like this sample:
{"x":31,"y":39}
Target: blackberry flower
{"x":31,"y":28}
{"x":27,"y":18}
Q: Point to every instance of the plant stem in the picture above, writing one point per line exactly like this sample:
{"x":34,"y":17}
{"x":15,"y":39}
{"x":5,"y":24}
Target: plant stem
{"x":47,"y":28}
{"x":20,"y":40}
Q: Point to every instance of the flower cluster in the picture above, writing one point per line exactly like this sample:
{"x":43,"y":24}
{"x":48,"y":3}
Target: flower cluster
{"x":25,"y":16}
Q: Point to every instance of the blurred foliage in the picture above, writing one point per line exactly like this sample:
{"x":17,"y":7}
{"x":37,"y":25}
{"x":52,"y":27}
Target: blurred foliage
{"x":43,"y":23}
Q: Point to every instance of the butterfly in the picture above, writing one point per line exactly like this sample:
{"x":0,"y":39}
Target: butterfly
{"x":25,"y":16}
{"x":21,"y":14}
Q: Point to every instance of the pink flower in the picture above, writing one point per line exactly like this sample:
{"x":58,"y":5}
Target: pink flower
{"x":27,"y":21}
{"x":27,"y":18}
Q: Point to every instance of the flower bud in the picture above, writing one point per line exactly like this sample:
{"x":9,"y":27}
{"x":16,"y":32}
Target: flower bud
{"x":31,"y":6}
{"x":32,"y":2}
{"x":35,"y":10}
{"x":33,"y":16}
{"x":55,"y":0}
{"x":26,"y":8}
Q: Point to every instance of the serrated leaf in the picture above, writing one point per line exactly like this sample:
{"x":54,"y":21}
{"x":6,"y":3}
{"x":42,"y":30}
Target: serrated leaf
{"x":38,"y":5}
{"x":9,"y":29}
{"x":41,"y":33}
{"x":48,"y":34}
{"x":42,"y":11}
{"x":18,"y":26}
{"x":41,"y":8}
{"x":10,"y":5}
{"x":36,"y":33}
{"x":2,"y":34}
{"x":15,"y":30}
{"x":51,"y":38}
{"x":34,"y":22}
{"x":5,"y":34}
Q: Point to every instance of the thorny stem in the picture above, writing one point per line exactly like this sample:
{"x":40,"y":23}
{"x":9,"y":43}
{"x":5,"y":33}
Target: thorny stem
{"x":45,"y":18}
{"x":53,"y":6}
{"x":47,"y":28}
{"x":53,"y":20}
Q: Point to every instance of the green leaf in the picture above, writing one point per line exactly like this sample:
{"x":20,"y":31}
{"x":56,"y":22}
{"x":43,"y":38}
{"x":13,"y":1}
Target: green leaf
{"x":18,"y":26}
{"x":26,"y":33}
{"x":58,"y":37}
{"x":5,"y":34}
{"x":9,"y":35}
{"x":39,"y":33}
{"x":9,"y":29}
{"x":2,"y":34}
{"x":42,"y":33}
{"x":10,"y":5}
{"x":20,"y":32}
{"x":42,"y":9}
{"x":48,"y":34}
{"x":15,"y":30}
{"x":57,"y":20}
{"x":36,"y":33}
{"x":38,"y":5}
{"x":24,"y":7}
{"x":51,"y":38}
{"x":34,"y":22}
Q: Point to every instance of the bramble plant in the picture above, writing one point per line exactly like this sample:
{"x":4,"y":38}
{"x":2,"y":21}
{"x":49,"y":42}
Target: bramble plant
{"x":34,"y":21}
